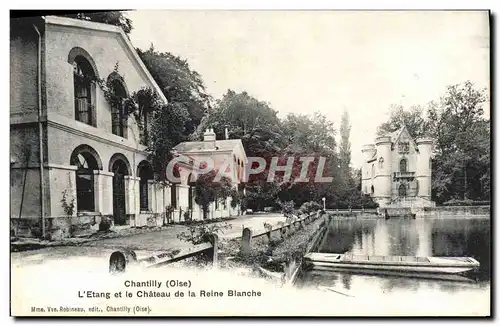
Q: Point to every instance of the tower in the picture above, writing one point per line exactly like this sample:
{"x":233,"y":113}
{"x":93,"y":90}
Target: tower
{"x":366,"y":177}
{"x":424,"y":168}
{"x":383,"y":177}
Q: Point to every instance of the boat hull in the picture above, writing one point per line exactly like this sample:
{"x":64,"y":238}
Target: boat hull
{"x":406,"y":264}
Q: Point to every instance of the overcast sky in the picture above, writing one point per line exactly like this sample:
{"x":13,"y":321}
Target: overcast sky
{"x":326,"y":61}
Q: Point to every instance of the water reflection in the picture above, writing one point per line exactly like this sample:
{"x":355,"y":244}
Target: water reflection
{"x":420,"y":237}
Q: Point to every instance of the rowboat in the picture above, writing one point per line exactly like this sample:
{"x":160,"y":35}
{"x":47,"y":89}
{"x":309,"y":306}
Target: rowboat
{"x":407,"y":264}
{"x":325,"y":271}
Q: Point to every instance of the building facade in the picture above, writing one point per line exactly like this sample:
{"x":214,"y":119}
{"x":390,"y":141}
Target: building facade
{"x":227,"y":154}
{"x":397,"y":169}
{"x":75,"y":160}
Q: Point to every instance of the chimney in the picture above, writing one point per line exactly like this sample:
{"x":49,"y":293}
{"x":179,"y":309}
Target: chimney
{"x":226,"y":133}
{"x":209,"y":135}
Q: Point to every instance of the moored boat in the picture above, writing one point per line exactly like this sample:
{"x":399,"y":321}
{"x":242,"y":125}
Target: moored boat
{"x":407,"y":264}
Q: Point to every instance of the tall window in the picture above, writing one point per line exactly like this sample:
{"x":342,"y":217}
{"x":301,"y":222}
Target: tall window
{"x":403,"y":166}
{"x":86,"y":164}
{"x":381,"y":163}
{"x":145,"y":174}
{"x":118,"y":114}
{"x":84,"y":88}
{"x":373,"y":170}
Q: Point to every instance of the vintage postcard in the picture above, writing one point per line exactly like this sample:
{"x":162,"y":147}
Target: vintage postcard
{"x":250,"y":163}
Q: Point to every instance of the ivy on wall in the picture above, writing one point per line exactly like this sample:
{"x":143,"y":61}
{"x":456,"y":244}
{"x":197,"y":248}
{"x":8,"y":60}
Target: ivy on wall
{"x":140,"y":103}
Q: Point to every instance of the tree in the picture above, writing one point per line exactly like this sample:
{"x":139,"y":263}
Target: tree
{"x":461,"y":167}
{"x":207,"y":189}
{"x":413,"y":119}
{"x":168,"y":128}
{"x":345,"y":145}
{"x":116,"y":18}
{"x":181,"y":85}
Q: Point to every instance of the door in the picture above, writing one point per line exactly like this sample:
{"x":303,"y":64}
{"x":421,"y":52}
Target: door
{"x":119,"y":213}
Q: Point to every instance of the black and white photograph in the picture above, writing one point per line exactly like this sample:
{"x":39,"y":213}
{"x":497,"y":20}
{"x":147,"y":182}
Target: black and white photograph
{"x":216,"y":163}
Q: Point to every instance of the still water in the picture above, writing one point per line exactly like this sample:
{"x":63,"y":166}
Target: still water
{"x":420,"y":237}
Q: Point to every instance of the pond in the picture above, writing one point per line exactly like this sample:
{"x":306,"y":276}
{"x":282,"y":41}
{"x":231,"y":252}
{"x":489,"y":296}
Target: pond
{"x":404,"y":237}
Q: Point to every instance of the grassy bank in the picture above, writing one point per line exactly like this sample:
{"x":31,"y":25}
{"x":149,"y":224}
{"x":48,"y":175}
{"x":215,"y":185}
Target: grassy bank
{"x":272,"y":255}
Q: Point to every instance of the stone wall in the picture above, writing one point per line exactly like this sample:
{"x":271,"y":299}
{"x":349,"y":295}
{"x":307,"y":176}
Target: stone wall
{"x":457,"y":211}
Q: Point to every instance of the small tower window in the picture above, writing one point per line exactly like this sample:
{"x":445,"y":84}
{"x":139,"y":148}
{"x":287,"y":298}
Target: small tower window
{"x":403,"y":166}
{"x":404,"y":147}
{"x":402,"y":191}
{"x":373,"y":190}
{"x":373,"y":170}
{"x":381,"y":163}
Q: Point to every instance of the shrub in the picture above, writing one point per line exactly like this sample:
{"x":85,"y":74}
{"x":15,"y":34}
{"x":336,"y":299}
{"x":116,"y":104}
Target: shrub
{"x":287,"y":208}
{"x":196,"y":234}
{"x":310,"y":207}
{"x":105,"y":224}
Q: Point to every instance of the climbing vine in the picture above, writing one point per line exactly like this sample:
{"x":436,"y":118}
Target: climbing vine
{"x":139,"y":103}
{"x":165,"y":123}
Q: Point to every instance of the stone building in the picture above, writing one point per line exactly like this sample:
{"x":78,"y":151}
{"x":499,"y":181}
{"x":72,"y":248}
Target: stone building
{"x":76,"y":160}
{"x":396,"y":170}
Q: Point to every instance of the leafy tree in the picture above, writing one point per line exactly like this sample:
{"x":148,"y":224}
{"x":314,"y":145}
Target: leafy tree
{"x":168,"y":128}
{"x":413,"y":119}
{"x":461,"y":166}
{"x":345,"y":144}
{"x":207,"y":190}
{"x":116,"y":18}
{"x":248,"y":119}
{"x":181,"y":85}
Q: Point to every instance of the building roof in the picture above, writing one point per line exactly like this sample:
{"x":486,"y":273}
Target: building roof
{"x":208,"y":146}
{"x":84,"y":24}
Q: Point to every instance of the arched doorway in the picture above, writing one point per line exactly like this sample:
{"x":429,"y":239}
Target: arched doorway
{"x":402,"y":191}
{"x":86,"y":160}
{"x":145,"y":173}
{"x":120,"y":170}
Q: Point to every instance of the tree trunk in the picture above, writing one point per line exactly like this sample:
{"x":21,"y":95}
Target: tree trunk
{"x":465,"y":181}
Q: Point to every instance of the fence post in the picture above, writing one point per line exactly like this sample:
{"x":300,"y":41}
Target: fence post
{"x":214,"y":252}
{"x":119,"y":260}
{"x":246,"y":241}
{"x":269,"y":235}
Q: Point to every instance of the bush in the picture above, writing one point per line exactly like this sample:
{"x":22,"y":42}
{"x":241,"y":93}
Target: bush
{"x":287,"y":208}
{"x":105,"y":224}
{"x":310,"y":207}
{"x":196,"y":234}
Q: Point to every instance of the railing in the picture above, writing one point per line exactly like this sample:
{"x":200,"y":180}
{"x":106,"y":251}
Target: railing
{"x":121,"y":259}
{"x":404,"y":174}
{"x":283,"y":231}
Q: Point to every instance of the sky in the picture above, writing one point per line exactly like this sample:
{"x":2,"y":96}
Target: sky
{"x":326,"y":61}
